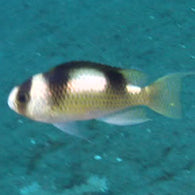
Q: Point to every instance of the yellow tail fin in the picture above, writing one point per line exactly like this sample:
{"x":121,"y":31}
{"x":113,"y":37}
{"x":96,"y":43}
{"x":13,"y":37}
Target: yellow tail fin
{"x":164,"y":95}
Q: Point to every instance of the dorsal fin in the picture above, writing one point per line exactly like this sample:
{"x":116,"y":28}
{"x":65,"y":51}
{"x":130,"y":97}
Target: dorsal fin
{"x":135,"y":77}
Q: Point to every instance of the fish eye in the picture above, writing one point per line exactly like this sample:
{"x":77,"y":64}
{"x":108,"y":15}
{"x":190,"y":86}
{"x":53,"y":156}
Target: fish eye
{"x":22,"y":98}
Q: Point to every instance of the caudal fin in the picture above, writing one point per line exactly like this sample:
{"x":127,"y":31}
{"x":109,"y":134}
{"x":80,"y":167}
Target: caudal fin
{"x":164,"y":95}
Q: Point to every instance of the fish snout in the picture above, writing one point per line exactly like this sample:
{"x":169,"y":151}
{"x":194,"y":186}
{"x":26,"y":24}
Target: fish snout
{"x":12,"y":98}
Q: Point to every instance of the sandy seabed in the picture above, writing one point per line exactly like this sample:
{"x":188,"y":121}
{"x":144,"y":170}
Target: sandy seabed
{"x":154,"y":158}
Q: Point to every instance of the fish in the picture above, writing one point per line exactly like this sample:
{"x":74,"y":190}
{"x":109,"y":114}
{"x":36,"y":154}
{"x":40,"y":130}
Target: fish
{"x":81,"y":90}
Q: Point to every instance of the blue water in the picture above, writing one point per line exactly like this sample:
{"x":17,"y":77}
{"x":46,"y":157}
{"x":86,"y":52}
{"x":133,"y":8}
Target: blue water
{"x":154,"y":158}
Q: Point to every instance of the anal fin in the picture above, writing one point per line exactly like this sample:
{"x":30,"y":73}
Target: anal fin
{"x":129,"y":116}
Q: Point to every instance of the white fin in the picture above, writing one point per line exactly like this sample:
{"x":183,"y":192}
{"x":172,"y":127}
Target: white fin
{"x":130,"y":116}
{"x":70,"y":128}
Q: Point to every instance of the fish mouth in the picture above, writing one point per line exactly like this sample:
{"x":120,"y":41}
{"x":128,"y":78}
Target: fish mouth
{"x":12,"y":98}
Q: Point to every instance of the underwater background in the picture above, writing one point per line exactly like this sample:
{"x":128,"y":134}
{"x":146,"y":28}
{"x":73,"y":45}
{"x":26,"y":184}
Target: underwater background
{"x":154,"y":158}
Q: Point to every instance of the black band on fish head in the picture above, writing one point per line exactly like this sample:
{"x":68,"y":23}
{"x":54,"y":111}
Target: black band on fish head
{"x":23,"y":96}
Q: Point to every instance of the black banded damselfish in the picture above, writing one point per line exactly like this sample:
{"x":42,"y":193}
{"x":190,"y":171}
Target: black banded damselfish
{"x":82,"y":90}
